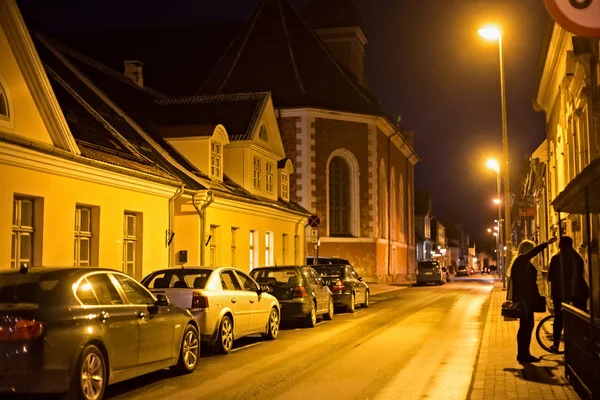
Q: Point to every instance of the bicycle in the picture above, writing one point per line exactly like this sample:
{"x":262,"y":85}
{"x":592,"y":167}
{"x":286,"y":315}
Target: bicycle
{"x":545,"y":335}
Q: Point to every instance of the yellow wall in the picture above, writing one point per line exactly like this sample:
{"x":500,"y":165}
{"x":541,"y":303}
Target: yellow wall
{"x":60,"y":195}
{"x":25,"y":119}
{"x":227,"y":214}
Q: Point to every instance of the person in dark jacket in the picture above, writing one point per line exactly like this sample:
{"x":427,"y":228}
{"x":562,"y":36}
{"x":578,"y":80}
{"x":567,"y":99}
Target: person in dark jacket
{"x":524,"y":288}
{"x":567,"y":283}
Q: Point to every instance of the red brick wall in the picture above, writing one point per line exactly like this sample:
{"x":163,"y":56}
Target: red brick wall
{"x":353,"y":136}
{"x":361,"y":255}
{"x":288,"y":129}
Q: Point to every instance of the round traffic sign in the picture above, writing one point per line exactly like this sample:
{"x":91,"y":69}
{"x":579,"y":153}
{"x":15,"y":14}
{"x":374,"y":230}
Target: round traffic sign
{"x":314,"y":221}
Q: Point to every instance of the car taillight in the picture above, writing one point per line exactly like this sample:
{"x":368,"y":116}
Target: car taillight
{"x":299,"y":291}
{"x":339,"y":286}
{"x":199,"y":300}
{"x":21,"y":329}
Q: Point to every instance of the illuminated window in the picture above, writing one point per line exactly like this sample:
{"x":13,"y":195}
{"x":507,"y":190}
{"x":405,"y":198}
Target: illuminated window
{"x":263,"y":134}
{"x":285,"y":186}
{"x":339,"y":197}
{"x":215,"y":159}
{"x":4,"y":110}
{"x":268,"y":248}
{"x":269,"y":177}
{"x":233,"y":238}
{"x":257,"y":170}
{"x":130,"y":244}
{"x":284,"y":238}
{"x":22,"y":233}
{"x":213,"y":244}
{"x":83,"y":236}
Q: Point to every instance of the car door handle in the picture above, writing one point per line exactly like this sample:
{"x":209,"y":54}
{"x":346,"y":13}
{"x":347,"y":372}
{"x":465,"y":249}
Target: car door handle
{"x":103,"y":315}
{"x":233,"y":300}
{"x":251,"y":300}
{"x":141,"y":315}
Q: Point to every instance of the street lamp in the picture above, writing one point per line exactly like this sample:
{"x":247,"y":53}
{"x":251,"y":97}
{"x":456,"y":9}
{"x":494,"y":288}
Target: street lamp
{"x":496,"y":201}
{"x":492,"y":32}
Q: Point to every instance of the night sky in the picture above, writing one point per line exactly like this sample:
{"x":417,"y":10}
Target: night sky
{"x":425,"y":62}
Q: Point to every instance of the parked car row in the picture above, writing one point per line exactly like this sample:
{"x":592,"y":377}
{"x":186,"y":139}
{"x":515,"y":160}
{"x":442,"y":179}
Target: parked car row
{"x":431,"y":272}
{"x":77,"y":330}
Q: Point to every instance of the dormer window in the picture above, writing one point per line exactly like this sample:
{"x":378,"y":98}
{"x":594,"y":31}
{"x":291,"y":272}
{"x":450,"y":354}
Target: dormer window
{"x":285,"y":186}
{"x":4,"y":110}
{"x":269,"y":177}
{"x":215,"y":159}
{"x":256,"y":174}
{"x":263,"y":134}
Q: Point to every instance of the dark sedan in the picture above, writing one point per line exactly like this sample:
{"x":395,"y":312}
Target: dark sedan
{"x":300,"y":291}
{"x":77,"y":330}
{"x":349,"y":289}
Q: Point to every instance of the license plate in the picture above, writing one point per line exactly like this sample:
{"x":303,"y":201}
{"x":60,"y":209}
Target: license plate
{"x":428,"y":273}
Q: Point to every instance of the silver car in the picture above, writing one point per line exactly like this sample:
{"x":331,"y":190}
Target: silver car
{"x":226,"y":302}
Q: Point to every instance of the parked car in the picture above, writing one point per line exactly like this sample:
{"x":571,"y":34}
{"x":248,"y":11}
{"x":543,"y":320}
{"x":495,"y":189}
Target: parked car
{"x":226,"y":302}
{"x":349,"y":289}
{"x":301,"y":292}
{"x":326,"y":260}
{"x":463,"y":270}
{"x":430,"y":272}
{"x":77,"y":330}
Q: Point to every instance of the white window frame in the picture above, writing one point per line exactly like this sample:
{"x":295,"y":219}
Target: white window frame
{"x":216,"y":159}
{"x":83,"y":237}
{"x":268,"y":248}
{"x":256,"y":172}
{"x":285,"y":186}
{"x":354,"y":188}
{"x":4,"y":100}
{"x":252,"y":247}
{"x":233,"y":245}
{"x":297,"y":249}
{"x":130,"y":238}
{"x":263,"y":133}
{"x":284,"y":239}
{"x":269,"y":177}
{"x":21,"y":230}
{"x":214,"y":255}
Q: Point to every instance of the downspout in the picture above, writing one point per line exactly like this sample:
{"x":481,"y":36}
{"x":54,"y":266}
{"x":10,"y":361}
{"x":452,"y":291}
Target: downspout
{"x":389,"y":203}
{"x":170,"y":232}
{"x":202,"y":214}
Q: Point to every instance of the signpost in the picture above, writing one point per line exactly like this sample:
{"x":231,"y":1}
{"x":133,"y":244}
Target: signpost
{"x":314,"y":221}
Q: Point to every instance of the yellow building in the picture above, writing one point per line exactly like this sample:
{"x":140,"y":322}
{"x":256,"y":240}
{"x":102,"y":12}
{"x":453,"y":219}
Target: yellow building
{"x":98,"y":170}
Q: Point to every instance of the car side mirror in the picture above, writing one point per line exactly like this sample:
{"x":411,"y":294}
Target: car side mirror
{"x":360,"y":278}
{"x":162,"y":300}
{"x":264,"y":289}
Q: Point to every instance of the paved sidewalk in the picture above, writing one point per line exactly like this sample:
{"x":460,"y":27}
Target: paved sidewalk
{"x":498,"y":375}
{"x":378,"y":288}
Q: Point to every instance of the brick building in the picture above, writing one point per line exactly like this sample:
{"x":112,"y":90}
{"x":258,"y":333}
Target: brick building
{"x":353,"y":166}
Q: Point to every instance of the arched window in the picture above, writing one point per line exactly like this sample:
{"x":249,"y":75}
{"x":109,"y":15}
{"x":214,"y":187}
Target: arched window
{"x":394,"y":215}
{"x":339,"y":197}
{"x":4,"y":110}
{"x":263,"y":133}
{"x":383,"y":201}
{"x":402,"y":211}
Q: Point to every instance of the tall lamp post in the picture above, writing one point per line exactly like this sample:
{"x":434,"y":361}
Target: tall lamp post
{"x":493,"y":164}
{"x":491,"y":32}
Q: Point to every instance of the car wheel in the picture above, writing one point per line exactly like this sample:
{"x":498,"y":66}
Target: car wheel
{"x":89,"y":379}
{"x":225,"y":337}
{"x":367,"y":298}
{"x":330,"y":310}
{"x":311,"y":319}
{"x":352,"y":305}
{"x":273,"y":327}
{"x":189,"y":352}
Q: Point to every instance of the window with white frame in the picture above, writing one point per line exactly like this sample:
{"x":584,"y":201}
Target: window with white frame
{"x":263,"y":133}
{"x":284,"y":238}
{"x":233,"y":245}
{"x":130,"y":243}
{"x":252,"y":251}
{"x":215,"y":159}
{"x":257,"y":172}
{"x":269,"y":177}
{"x":268,"y":248}
{"x":297,"y":250}
{"x":285,"y":186}
{"x":83,"y":236}
{"x":214,"y":231}
{"x":22,"y":233}
{"x":4,"y":110}
{"x":339,"y":197}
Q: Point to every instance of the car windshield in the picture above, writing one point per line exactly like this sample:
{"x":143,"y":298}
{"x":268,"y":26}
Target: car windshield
{"x":180,"y":278}
{"x":330,"y":271}
{"x":25,"y":288}
{"x":276,"y":276}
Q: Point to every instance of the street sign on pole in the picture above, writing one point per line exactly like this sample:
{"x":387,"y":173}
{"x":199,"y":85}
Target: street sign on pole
{"x":314,"y":236}
{"x":314,"y":221}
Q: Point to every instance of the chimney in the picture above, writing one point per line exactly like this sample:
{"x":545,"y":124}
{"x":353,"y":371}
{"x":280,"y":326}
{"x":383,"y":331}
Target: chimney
{"x":133,"y":70}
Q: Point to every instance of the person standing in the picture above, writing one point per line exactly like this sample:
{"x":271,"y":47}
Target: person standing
{"x":567,"y":283}
{"x":525,"y":290}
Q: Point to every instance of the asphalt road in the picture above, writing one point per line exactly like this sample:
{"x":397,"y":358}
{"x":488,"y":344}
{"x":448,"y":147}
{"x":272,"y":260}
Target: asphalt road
{"x":413,"y":343}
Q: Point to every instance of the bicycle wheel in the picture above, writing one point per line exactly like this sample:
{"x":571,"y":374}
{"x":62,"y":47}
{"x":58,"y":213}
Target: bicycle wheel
{"x":545,"y":336}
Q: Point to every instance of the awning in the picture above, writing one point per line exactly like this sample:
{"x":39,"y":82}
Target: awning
{"x":572,"y":199}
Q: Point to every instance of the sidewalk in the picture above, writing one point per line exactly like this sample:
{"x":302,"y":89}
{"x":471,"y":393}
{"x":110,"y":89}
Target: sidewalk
{"x":498,"y":375}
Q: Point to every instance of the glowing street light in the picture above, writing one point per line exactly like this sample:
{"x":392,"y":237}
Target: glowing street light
{"x":492,"y":164}
{"x":490,"y":32}
{"x":495,"y":228}
{"x":489,"y":230}
{"x":496,"y":201}
{"x":496,"y":234}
